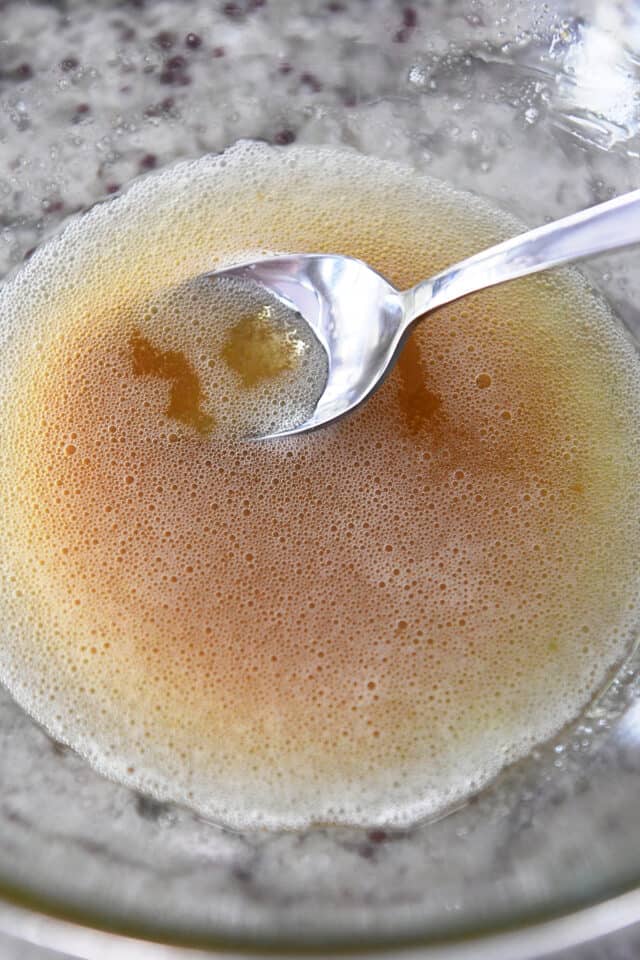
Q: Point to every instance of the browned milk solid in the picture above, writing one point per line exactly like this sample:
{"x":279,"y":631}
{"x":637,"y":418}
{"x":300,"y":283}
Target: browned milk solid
{"x":359,"y":625}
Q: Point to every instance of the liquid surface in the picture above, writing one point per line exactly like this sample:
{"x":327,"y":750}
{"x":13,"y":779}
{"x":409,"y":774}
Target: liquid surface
{"x":363,"y":624}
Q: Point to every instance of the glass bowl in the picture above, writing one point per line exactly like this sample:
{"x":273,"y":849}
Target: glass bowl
{"x":532,"y":105}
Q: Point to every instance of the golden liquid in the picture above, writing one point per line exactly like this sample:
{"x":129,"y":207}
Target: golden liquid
{"x":362,"y":624}
{"x":257,"y":350}
{"x":185,"y":393}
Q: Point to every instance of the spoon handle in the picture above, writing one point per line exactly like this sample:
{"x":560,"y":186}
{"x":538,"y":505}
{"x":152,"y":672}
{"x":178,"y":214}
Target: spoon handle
{"x":607,"y":226}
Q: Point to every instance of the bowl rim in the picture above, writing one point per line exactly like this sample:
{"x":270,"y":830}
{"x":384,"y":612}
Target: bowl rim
{"x":524,"y":936}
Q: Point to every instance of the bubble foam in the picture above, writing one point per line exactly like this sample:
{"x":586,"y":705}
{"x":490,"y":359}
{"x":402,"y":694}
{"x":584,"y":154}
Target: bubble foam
{"x":362,"y":625}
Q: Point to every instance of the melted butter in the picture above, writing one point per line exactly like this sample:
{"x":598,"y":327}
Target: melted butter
{"x":419,"y":404}
{"x":359,"y":625}
{"x":186,"y":396}
{"x":258,"y":349}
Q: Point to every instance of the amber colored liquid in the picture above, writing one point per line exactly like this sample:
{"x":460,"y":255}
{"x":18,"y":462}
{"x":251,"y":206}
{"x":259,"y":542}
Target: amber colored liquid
{"x":185,"y":392}
{"x":418,"y":403}
{"x":257,"y":350}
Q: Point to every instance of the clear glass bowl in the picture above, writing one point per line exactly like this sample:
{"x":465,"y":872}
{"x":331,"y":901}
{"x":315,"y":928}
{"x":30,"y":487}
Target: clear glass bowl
{"x":533,"y":105}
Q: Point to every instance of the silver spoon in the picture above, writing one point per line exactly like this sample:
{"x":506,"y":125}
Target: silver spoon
{"x":362,"y":321}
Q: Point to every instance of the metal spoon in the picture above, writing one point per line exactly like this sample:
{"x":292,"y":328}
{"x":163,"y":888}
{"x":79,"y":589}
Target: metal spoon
{"x":362,"y":321}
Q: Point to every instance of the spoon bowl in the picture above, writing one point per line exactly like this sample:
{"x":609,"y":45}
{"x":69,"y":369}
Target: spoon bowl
{"x":361,"y":320}
{"x":354,"y":313}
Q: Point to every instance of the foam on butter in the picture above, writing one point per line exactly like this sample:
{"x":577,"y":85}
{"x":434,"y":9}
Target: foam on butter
{"x":360,"y":625}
